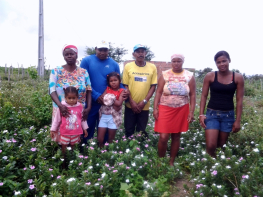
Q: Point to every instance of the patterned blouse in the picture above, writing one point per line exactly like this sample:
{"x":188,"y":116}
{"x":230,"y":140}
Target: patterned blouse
{"x":61,"y":78}
{"x":176,"y":89}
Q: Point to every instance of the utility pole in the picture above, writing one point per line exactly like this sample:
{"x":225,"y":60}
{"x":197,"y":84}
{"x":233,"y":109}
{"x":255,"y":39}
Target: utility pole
{"x":41,"y":41}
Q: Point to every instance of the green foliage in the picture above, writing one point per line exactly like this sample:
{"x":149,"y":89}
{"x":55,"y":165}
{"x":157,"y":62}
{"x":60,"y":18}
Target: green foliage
{"x":32,"y":71}
{"x":150,"y":55}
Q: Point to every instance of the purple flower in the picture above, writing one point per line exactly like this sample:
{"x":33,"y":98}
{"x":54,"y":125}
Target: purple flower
{"x":1,"y":183}
{"x":86,"y":171}
{"x":146,"y":145}
{"x":101,"y":186}
{"x":245,"y":176}
{"x":13,"y":140}
{"x":237,"y":193}
{"x":86,"y":157}
{"x":58,"y":177}
{"x":15,"y":134}
{"x":50,"y":169}
{"x":30,"y":181}
{"x":116,"y":141}
{"x":241,"y":158}
{"x":107,"y":165}
{"x":32,"y":167}
{"x":0,"y":151}
{"x":214,"y":172}
{"x":201,"y":194}
{"x":31,"y":187}
{"x":91,"y":148}
{"x":33,"y":140}
{"x":199,"y":185}
{"x":8,"y":141}
{"x":120,"y":152}
{"x":115,"y":171}
{"x":51,"y":175}
{"x":88,"y":183}
{"x":31,"y":127}
{"x":33,"y":149}
{"x":236,"y":189}
{"x":106,"y":144}
{"x":80,"y":163}
{"x":24,"y":168}
{"x":127,"y":167}
{"x":80,"y":156}
{"x":138,"y":149}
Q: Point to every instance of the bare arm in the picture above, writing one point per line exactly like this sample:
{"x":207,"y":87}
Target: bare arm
{"x":239,"y":102}
{"x":157,"y":98}
{"x":119,"y":102}
{"x":87,"y":110}
{"x":192,"y":94}
{"x":204,"y":95}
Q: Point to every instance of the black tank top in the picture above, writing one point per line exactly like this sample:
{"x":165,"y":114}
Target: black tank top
{"x":221,"y":95}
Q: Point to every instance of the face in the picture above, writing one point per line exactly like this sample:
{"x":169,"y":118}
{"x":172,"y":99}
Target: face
{"x":177,"y":64}
{"x":114,"y":82}
{"x":70,"y":56}
{"x":102,"y":53}
{"x":71,"y":99}
{"x":139,"y":54}
{"x":222,"y":63}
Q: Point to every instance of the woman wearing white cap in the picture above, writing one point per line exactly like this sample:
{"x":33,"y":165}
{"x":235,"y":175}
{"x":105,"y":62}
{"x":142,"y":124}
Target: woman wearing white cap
{"x":171,"y":105}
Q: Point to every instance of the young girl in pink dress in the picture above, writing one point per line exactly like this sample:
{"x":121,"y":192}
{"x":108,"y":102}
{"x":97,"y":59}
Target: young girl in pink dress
{"x":111,"y":111}
{"x":71,"y":126}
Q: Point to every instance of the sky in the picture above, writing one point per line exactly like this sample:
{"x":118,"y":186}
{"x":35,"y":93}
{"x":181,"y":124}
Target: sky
{"x":197,"y":29}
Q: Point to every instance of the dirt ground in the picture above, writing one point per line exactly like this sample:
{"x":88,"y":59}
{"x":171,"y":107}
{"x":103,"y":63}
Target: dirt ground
{"x":179,"y":190}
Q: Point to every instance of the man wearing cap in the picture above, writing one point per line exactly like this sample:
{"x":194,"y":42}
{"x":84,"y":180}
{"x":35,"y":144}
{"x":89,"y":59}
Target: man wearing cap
{"x":98,"y":66}
{"x":140,"y":78}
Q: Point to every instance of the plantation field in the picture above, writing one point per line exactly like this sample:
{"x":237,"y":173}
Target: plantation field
{"x":30,"y":163}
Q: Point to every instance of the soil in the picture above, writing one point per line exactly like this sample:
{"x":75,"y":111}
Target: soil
{"x":179,"y":190}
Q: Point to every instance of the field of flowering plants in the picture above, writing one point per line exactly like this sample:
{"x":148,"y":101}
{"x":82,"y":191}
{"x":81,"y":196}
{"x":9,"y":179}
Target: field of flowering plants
{"x":30,"y":163}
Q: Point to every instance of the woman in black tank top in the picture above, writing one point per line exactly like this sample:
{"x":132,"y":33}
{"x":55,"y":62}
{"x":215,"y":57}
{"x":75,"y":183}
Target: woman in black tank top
{"x":220,"y":119}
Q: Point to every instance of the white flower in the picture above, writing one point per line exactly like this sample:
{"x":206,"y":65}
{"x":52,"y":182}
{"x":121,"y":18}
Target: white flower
{"x":83,"y":145}
{"x":71,"y":161}
{"x":103,"y":175}
{"x":5,"y":131}
{"x":216,"y":164}
{"x":69,"y":148}
{"x":203,"y":171}
{"x":223,"y":157}
{"x":71,"y":179}
{"x":256,"y":150}
{"x":62,"y":159}
{"x":54,"y":184}
{"x":5,"y":157}
{"x":92,"y":143}
{"x":133,"y":164}
{"x":219,"y":186}
{"x":90,"y":167}
{"x":252,"y":142}
{"x":192,"y":164}
{"x":145,"y":182}
{"x":17,"y":193}
{"x":97,"y":164}
{"x":237,"y":146}
{"x":141,"y":155}
{"x":228,"y":167}
{"x":127,"y":180}
{"x":127,"y":150}
{"x":96,"y":184}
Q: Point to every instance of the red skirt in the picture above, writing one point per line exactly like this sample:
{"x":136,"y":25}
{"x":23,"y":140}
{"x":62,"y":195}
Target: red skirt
{"x":172,"y":120}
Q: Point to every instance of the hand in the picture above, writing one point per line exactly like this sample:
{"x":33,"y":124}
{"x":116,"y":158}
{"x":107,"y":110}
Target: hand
{"x":85,"y":133}
{"x":126,"y":94}
{"x":202,"y":121}
{"x":134,"y":107}
{"x":141,"y":105}
{"x":100,"y":99}
{"x":85,"y":114}
{"x":64,"y":111}
{"x":156,"y":114}
{"x":190,"y":117}
{"x":52,"y":134}
{"x":236,"y":127}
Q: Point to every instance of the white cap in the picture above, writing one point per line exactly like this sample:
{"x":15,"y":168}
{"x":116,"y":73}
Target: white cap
{"x":102,"y":44}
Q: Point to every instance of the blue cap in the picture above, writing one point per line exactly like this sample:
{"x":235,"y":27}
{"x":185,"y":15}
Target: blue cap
{"x":138,"y":46}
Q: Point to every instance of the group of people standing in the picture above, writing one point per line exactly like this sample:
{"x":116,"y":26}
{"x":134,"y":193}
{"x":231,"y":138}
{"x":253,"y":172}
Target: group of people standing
{"x":92,"y":95}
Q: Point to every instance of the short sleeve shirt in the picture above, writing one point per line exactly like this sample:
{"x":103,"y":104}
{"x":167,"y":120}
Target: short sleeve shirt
{"x":176,"y":89}
{"x":139,"y":80}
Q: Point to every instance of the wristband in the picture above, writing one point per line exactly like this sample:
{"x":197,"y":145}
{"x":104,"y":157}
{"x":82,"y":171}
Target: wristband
{"x":202,"y":115}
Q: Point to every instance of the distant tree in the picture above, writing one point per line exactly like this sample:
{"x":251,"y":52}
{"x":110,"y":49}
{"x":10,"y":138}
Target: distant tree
{"x":236,"y":70}
{"x":115,"y":53}
{"x":202,"y":73}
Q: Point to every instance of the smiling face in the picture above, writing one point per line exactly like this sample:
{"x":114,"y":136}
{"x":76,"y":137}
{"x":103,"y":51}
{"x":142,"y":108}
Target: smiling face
{"x":102,"y":53}
{"x":70,"y":56}
{"x":222,"y":63}
{"x":114,"y":82}
{"x":139,"y":54}
{"x":177,"y":65}
{"x":71,"y":98}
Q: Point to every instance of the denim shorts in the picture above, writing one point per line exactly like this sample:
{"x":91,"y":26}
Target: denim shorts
{"x":219,"y":120}
{"x":106,"y":121}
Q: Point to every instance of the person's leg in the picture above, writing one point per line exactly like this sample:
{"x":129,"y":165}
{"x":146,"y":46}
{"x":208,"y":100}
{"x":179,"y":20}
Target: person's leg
{"x":211,"y":137}
{"x":174,"y":146}
{"x":92,"y":122}
{"x":112,"y":133}
{"x":222,"y":138}
{"x":64,"y":150}
{"x":129,"y":121}
{"x":101,"y":135}
{"x":142,"y":120}
{"x":162,"y":144}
